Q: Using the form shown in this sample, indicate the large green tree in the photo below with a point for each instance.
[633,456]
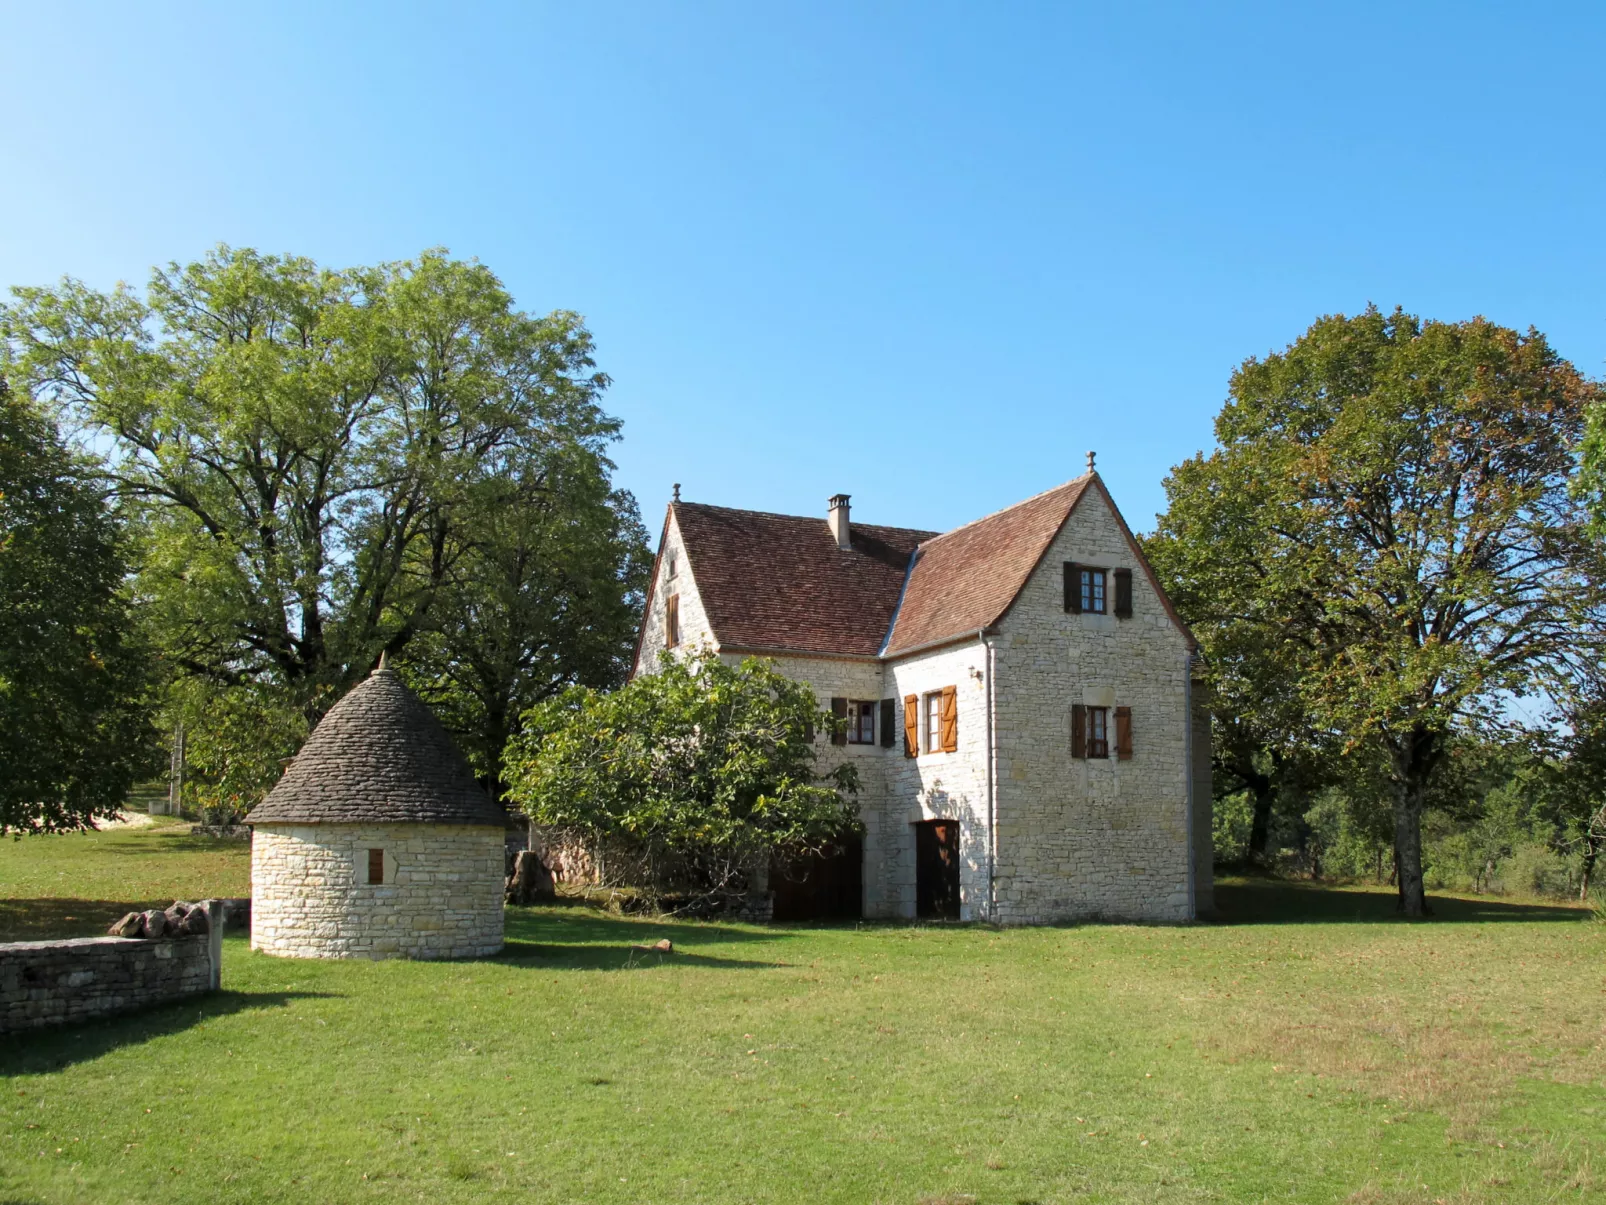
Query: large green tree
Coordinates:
[75,731]
[700,771]
[330,463]
[1389,511]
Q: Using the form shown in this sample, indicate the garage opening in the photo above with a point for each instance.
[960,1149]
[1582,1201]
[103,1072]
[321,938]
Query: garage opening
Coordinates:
[824,885]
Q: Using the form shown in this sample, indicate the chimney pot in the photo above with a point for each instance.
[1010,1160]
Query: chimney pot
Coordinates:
[839,521]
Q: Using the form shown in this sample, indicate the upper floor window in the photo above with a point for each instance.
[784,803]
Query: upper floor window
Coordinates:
[861,722]
[670,566]
[934,721]
[1098,731]
[1093,590]
[672,620]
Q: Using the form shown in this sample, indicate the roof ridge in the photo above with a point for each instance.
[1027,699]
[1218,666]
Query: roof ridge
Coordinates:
[775,514]
[1004,510]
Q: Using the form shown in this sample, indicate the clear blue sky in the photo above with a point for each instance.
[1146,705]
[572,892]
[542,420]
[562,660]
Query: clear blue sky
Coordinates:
[927,254]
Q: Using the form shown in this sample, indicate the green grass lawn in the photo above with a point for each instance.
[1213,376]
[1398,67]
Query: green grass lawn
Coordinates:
[1309,1048]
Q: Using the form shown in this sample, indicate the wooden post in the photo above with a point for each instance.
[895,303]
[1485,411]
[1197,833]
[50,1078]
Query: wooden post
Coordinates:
[214,939]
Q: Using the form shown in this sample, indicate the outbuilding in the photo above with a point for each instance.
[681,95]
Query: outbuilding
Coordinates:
[377,842]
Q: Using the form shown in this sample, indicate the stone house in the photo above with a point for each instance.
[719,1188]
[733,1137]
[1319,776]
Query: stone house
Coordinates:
[1018,693]
[377,842]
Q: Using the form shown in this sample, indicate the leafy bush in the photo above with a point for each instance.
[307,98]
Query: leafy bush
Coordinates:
[702,770]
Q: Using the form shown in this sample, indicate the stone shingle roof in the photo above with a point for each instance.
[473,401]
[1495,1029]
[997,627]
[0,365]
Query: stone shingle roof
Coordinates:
[780,581]
[380,755]
[965,579]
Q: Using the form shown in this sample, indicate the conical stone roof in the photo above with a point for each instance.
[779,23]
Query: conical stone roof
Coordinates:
[380,755]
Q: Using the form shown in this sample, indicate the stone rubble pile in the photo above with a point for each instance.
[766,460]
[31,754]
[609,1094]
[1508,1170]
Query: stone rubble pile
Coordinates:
[179,919]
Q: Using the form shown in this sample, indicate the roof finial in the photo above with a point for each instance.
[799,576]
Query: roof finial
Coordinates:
[1090,456]
[383,665]
[677,491]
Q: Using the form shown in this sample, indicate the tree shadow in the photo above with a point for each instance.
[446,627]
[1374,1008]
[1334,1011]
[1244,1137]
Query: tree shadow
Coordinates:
[1280,902]
[37,1051]
[573,938]
[51,919]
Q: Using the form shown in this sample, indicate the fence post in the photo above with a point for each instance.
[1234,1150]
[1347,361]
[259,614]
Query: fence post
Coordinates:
[214,940]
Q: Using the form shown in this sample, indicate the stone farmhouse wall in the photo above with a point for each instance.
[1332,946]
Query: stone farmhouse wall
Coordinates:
[441,896]
[56,982]
[1098,837]
[694,626]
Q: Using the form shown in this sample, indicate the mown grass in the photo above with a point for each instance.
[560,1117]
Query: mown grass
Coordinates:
[1310,1048]
[75,884]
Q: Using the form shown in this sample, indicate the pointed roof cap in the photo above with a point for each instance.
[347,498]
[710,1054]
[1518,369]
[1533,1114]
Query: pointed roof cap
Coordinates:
[380,755]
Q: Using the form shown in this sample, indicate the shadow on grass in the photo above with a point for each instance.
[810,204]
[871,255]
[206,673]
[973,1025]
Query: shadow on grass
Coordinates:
[36,1051]
[51,919]
[1278,902]
[553,937]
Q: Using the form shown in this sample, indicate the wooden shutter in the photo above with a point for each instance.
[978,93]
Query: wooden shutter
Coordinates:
[839,730]
[889,709]
[1123,733]
[948,719]
[1123,594]
[672,620]
[911,725]
[1073,588]
[1078,731]
[376,866]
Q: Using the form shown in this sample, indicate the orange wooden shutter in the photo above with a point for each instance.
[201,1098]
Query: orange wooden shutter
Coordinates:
[672,620]
[1078,730]
[1123,733]
[911,725]
[948,719]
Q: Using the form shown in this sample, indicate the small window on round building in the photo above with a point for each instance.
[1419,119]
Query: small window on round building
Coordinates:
[376,866]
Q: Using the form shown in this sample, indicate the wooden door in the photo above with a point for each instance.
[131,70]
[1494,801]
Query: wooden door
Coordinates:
[937,869]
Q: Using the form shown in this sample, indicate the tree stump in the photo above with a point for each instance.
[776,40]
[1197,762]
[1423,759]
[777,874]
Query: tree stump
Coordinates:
[531,882]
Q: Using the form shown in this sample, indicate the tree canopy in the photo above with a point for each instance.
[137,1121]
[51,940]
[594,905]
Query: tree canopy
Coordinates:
[325,464]
[1388,514]
[74,722]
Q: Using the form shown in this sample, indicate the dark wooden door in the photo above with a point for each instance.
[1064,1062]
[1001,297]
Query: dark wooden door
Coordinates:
[937,869]
[825,885]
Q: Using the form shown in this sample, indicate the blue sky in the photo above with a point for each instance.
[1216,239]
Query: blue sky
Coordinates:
[926,254]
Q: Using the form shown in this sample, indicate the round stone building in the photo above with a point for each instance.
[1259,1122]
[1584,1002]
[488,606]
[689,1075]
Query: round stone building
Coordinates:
[377,842]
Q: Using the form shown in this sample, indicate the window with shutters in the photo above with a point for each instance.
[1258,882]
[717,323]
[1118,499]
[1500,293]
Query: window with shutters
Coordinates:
[672,620]
[861,722]
[934,722]
[1093,591]
[1098,732]
[376,866]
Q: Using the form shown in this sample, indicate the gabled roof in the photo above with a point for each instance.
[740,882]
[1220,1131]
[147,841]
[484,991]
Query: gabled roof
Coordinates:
[779,582]
[964,580]
[380,755]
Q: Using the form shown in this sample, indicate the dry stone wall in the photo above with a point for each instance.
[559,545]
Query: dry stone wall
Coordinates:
[55,982]
[441,896]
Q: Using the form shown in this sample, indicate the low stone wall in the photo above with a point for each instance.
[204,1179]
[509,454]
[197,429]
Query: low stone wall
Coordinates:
[54,982]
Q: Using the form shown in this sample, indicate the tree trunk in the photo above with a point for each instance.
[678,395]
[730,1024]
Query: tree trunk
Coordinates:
[1591,852]
[1260,825]
[1408,851]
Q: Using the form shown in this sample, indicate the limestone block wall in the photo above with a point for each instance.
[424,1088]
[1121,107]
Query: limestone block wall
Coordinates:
[441,896]
[1097,837]
[694,626]
[937,786]
[54,982]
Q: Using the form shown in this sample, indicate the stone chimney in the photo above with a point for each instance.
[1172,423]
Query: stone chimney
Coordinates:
[839,521]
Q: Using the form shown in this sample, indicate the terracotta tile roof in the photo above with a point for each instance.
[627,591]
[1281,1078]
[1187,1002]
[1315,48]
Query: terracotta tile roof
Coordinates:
[379,755]
[966,579]
[780,582]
